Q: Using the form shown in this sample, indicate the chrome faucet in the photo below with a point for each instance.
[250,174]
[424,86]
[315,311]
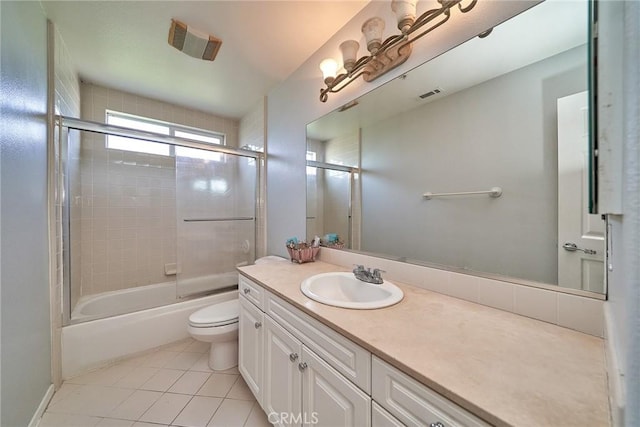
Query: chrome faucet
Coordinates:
[366,275]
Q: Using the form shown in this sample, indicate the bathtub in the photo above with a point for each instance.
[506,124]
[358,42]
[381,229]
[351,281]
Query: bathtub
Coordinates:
[96,343]
[113,303]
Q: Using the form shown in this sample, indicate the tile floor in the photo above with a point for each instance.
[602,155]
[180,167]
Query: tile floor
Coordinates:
[172,386]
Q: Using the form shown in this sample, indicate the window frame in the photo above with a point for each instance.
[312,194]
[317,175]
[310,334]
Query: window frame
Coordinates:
[172,129]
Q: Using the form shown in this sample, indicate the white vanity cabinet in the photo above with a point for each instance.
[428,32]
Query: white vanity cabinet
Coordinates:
[251,343]
[381,418]
[294,384]
[283,385]
[302,389]
[329,397]
[305,373]
[412,403]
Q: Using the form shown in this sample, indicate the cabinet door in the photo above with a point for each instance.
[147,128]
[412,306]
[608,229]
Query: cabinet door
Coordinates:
[250,335]
[328,398]
[282,396]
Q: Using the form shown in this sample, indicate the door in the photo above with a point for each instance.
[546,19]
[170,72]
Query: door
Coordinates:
[215,213]
[250,335]
[580,234]
[282,380]
[328,398]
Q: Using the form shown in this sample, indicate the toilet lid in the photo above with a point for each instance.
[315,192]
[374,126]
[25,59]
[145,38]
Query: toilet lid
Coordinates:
[216,315]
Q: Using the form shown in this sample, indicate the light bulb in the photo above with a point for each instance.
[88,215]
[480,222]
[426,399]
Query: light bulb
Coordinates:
[329,69]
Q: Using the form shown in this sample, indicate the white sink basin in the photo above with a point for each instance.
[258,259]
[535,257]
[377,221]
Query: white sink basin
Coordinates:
[342,289]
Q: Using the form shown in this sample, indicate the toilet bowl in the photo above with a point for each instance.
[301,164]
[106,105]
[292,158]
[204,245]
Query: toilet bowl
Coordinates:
[218,324]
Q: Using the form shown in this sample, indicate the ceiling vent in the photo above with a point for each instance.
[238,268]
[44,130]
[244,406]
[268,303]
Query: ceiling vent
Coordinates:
[192,42]
[348,105]
[431,93]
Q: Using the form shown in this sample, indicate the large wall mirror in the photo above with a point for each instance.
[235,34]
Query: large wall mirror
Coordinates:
[508,111]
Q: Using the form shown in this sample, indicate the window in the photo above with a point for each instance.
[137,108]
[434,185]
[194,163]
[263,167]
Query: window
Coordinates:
[163,128]
[129,144]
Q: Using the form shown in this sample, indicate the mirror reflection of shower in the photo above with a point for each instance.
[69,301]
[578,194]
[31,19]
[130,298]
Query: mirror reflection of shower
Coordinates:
[150,221]
[333,191]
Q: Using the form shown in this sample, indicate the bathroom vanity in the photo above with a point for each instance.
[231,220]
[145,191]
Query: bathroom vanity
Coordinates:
[428,360]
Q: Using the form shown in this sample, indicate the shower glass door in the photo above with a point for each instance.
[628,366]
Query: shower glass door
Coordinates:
[216,218]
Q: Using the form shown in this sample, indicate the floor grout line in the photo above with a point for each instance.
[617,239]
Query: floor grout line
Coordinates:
[76,384]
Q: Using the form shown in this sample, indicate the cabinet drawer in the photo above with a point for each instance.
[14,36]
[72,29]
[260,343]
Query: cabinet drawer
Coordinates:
[251,291]
[345,356]
[381,418]
[413,403]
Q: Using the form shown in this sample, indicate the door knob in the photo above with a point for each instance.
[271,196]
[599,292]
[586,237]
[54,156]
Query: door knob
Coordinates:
[246,290]
[572,247]
[438,424]
[257,325]
[293,357]
[302,366]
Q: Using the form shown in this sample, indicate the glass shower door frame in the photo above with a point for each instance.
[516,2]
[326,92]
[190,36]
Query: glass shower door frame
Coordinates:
[66,124]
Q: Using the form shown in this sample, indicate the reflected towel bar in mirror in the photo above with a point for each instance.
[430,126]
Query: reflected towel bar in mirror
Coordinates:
[239,218]
[494,192]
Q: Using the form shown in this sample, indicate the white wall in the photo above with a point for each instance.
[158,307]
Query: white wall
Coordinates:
[620,136]
[294,103]
[25,343]
[502,133]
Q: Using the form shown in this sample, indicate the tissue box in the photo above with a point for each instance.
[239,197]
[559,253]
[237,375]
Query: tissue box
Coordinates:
[303,255]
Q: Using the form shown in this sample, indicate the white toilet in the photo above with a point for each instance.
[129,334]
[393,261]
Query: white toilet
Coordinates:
[218,324]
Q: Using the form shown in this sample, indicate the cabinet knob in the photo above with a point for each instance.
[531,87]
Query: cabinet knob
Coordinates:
[438,424]
[246,290]
[258,325]
[293,357]
[302,366]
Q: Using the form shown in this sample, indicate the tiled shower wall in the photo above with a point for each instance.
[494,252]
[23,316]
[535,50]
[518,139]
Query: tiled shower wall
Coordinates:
[126,206]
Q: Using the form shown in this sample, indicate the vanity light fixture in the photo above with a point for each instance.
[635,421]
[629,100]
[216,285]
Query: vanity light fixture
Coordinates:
[390,53]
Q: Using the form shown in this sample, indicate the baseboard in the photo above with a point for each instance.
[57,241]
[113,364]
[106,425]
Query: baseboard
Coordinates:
[35,420]
[614,374]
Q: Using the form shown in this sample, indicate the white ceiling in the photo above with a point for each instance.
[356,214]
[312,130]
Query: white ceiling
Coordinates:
[123,45]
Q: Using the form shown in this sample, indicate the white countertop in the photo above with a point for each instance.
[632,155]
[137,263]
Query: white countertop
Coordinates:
[504,368]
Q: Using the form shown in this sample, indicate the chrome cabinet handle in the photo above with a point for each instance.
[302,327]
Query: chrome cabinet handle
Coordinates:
[438,424]
[258,325]
[246,290]
[572,247]
[293,357]
[302,366]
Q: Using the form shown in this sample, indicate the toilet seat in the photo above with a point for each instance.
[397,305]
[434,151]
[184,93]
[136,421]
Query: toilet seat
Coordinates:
[216,315]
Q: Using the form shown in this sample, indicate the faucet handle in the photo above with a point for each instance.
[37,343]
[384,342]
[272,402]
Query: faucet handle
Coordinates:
[358,267]
[377,273]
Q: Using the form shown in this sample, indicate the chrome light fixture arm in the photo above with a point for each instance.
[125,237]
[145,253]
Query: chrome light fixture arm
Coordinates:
[335,85]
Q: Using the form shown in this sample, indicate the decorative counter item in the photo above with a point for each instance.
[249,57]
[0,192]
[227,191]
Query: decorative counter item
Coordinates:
[332,240]
[301,252]
[336,245]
